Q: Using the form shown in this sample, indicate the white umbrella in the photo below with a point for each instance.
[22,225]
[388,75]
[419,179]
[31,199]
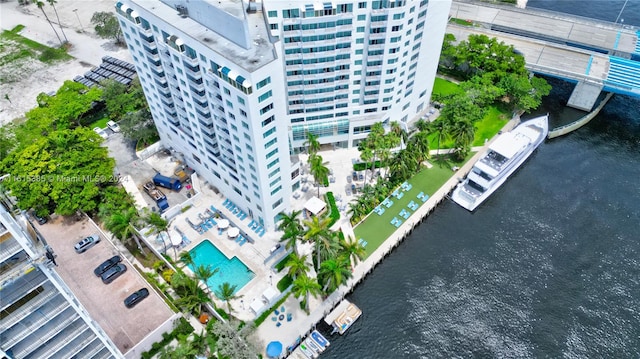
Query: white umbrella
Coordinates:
[233,232]
[223,223]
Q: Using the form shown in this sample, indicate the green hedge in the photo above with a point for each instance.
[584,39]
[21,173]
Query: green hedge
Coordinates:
[361,166]
[182,329]
[284,283]
[282,263]
[335,213]
[268,312]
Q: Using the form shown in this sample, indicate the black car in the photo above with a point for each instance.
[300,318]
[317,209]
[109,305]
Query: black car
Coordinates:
[106,265]
[41,220]
[112,273]
[136,297]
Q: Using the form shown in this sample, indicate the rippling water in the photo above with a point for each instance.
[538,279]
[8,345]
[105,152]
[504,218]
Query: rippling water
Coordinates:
[548,267]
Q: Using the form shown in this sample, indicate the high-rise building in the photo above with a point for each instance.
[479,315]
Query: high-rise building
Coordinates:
[235,86]
[40,317]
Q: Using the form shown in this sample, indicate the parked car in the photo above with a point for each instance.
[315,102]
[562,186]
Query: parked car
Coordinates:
[87,243]
[112,273]
[106,265]
[136,297]
[113,126]
[41,220]
[100,132]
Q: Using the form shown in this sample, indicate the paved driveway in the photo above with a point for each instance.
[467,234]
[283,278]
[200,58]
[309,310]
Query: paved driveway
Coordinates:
[126,327]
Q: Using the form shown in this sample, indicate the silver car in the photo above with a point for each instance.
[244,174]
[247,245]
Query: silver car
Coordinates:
[87,243]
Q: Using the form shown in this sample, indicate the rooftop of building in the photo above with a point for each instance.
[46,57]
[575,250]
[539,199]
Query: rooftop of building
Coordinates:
[260,51]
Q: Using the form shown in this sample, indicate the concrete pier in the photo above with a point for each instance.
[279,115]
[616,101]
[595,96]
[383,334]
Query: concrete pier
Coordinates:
[563,130]
[584,95]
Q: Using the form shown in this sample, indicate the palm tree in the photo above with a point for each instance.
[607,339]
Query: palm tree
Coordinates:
[297,265]
[186,258]
[303,286]
[53,4]
[420,146]
[319,170]
[290,224]
[317,232]
[123,225]
[225,293]
[204,273]
[366,155]
[358,209]
[192,302]
[40,6]
[399,132]
[462,131]
[313,145]
[439,127]
[353,250]
[160,225]
[334,272]
[376,141]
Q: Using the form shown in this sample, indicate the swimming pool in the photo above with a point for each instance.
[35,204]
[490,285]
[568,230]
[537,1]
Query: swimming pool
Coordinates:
[230,270]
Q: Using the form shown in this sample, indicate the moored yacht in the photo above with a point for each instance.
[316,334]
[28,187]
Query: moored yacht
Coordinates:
[502,158]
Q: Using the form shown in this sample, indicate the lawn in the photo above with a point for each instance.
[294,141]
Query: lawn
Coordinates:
[492,122]
[22,48]
[375,229]
[443,87]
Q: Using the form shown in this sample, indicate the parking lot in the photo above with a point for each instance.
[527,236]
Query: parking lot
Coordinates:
[126,327]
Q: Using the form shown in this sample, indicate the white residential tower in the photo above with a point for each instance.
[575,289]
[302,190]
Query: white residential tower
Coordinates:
[235,86]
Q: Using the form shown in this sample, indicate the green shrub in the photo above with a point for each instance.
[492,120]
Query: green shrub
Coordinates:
[50,55]
[183,328]
[361,166]
[335,213]
[284,283]
[282,263]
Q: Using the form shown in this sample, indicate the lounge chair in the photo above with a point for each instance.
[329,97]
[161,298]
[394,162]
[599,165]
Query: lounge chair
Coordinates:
[289,317]
[276,311]
[278,324]
[242,242]
[275,319]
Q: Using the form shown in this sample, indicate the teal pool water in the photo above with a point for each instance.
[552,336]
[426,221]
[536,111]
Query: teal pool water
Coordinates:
[229,270]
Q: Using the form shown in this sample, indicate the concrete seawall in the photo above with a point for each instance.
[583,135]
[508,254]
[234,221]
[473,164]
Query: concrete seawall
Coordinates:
[563,130]
[364,268]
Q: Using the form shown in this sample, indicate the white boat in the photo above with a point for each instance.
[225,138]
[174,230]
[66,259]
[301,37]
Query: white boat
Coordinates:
[343,316]
[503,157]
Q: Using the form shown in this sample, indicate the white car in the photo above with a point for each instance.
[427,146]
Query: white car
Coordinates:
[100,132]
[113,126]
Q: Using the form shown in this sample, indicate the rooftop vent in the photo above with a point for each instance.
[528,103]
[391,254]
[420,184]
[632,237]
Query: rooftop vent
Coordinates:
[253,7]
[182,11]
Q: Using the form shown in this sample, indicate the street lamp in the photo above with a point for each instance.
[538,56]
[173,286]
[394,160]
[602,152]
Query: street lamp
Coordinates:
[79,22]
[271,279]
[242,303]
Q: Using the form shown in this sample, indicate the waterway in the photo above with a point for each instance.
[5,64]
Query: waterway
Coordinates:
[548,267]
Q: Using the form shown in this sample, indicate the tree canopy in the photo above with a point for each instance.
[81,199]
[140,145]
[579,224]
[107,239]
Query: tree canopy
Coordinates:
[107,26]
[62,172]
[54,164]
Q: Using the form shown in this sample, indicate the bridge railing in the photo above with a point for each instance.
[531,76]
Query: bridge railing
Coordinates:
[551,13]
[564,73]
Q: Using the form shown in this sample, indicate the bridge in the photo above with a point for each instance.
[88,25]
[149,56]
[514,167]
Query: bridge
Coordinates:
[598,56]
